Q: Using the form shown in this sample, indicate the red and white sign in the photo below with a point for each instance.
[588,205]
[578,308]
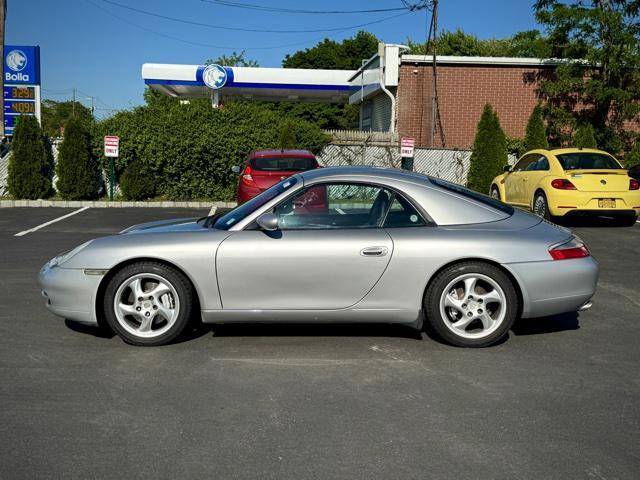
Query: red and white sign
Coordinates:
[111,146]
[407,146]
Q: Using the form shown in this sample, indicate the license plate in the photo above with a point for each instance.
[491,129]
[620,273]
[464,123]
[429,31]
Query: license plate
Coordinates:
[606,203]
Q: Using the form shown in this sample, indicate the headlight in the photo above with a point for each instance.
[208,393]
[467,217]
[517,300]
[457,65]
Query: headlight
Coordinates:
[63,257]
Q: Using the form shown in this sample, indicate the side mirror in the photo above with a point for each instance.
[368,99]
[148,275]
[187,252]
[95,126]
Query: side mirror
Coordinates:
[268,221]
[235,169]
[506,168]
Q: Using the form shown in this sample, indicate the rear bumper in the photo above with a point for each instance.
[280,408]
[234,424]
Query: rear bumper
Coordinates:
[554,287]
[566,202]
[69,293]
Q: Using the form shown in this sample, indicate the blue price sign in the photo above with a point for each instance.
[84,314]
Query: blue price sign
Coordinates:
[22,65]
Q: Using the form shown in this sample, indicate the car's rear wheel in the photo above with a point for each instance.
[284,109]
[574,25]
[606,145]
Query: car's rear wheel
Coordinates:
[495,192]
[471,304]
[148,303]
[540,206]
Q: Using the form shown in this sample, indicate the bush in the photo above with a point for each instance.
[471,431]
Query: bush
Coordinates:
[189,149]
[288,137]
[536,134]
[489,151]
[29,166]
[585,136]
[137,183]
[633,158]
[77,169]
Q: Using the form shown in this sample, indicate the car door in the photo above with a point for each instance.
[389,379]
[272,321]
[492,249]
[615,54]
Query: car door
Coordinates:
[325,255]
[532,175]
[513,181]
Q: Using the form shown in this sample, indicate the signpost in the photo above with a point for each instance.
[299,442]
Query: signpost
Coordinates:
[21,91]
[111,151]
[407,148]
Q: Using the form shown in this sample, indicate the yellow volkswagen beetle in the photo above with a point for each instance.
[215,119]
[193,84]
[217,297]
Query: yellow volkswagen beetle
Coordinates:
[569,181]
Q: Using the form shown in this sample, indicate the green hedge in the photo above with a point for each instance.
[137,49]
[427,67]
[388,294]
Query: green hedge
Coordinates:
[77,169]
[189,148]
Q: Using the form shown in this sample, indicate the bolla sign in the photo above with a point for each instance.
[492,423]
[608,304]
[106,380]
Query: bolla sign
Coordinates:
[22,65]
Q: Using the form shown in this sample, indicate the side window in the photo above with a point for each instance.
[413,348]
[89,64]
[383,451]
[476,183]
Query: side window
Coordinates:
[543,163]
[525,162]
[403,214]
[333,206]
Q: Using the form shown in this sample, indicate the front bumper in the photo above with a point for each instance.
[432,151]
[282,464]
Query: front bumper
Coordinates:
[571,202]
[554,287]
[70,293]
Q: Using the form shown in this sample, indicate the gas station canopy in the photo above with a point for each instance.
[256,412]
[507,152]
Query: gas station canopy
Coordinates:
[274,84]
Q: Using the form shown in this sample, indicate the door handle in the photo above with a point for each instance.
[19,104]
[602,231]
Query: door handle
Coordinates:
[525,179]
[374,251]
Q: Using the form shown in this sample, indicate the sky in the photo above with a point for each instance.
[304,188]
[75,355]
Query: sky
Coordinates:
[99,47]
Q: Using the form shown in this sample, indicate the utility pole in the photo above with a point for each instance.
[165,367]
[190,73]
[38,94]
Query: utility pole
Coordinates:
[434,67]
[3,15]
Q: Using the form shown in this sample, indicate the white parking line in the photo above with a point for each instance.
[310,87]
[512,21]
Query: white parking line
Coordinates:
[50,222]
[213,210]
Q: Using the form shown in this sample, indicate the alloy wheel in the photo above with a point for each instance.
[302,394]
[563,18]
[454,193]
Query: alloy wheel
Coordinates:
[473,306]
[146,305]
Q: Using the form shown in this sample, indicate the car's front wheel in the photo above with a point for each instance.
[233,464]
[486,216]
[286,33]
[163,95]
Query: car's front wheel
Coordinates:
[495,192]
[148,303]
[471,304]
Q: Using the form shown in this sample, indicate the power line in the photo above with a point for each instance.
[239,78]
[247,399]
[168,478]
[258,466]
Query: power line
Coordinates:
[198,44]
[264,8]
[254,30]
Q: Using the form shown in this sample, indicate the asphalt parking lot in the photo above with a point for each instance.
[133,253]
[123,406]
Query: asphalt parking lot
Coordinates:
[559,399]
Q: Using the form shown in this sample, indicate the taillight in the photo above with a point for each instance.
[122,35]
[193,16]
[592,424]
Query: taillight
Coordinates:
[574,248]
[562,184]
[634,184]
[247,179]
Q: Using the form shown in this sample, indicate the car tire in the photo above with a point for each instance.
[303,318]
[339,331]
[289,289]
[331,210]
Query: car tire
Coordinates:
[148,303]
[471,304]
[495,192]
[541,206]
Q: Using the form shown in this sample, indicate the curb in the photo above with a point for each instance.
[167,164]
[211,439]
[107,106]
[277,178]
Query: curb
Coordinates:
[107,204]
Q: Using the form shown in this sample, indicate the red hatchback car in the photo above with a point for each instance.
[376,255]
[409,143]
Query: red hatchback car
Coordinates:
[265,168]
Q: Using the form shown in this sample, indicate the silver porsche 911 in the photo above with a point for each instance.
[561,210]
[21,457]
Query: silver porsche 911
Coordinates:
[346,244]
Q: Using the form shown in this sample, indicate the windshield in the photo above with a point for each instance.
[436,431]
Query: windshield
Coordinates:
[277,164]
[478,197]
[229,219]
[587,161]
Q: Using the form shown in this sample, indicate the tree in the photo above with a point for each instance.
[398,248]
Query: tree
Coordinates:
[77,169]
[633,158]
[329,54]
[489,153]
[536,133]
[56,114]
[530,43]
[585,137]
[29,167]
[288,138]
[602,85]
[137,183]
[234,60]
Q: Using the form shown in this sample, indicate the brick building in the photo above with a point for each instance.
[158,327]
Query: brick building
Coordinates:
[465,85]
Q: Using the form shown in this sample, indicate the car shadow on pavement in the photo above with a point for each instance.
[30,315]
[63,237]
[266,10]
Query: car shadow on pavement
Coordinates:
[552,324]
[597,222]
[314,330]
[96,331]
